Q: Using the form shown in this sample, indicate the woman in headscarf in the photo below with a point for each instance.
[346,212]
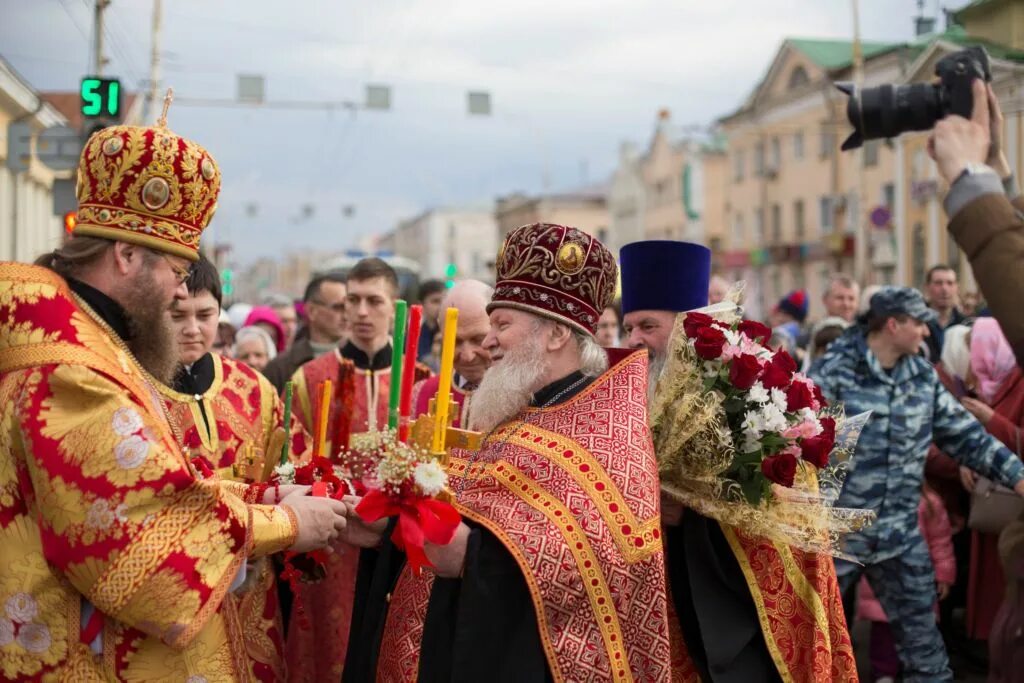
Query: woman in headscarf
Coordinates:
[998,384]
[254,347]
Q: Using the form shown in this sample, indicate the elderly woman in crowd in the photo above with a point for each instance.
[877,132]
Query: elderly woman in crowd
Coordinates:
[978,366]
[254,347]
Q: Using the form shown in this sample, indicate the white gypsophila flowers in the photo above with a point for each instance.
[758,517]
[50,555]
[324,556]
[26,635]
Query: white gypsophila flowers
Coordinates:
[285,473]
[430,477]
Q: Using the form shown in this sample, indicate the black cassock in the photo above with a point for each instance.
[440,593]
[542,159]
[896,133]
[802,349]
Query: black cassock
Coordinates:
[481,627]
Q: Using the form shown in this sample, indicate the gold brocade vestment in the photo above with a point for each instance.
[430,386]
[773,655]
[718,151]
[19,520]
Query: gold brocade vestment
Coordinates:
[230,426]
[100,512]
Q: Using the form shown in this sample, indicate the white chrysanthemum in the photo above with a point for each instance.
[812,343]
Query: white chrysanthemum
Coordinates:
[752,425]
[733,337]
[35,638]
[126,421]
[21,608]
[131,452]
[779,399]
[285,473]
[774,419]
[430,477]
[758,394]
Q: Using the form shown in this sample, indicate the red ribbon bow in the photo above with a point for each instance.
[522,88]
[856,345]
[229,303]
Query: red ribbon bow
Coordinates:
[419,519]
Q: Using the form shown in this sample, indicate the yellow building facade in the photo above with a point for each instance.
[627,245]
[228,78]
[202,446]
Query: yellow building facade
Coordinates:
[795,205]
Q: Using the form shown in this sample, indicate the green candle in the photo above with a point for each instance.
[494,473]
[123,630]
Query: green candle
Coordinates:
[397,349]
[287,422]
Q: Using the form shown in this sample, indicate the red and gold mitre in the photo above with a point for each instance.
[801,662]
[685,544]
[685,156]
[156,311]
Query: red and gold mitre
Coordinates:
[147,186]
[555,271]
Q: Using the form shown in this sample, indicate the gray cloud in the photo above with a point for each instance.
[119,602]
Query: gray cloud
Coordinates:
[569,79]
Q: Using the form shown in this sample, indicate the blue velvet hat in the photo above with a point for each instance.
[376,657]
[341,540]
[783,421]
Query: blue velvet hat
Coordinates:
[664,275]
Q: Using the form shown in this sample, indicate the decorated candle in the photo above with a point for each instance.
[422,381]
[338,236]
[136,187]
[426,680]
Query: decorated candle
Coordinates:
[412,343]
[287,422]
[397,351]
[444,379]
[323,410]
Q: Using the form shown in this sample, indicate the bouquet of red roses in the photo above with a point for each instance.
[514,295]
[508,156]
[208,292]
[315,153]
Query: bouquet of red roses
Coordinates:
[410,484]
[743,438]
[772,411]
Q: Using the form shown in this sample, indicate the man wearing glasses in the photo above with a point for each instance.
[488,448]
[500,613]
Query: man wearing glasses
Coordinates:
[117,558]
[324,331]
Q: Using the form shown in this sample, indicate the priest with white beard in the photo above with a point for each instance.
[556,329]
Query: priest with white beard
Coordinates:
[556,572]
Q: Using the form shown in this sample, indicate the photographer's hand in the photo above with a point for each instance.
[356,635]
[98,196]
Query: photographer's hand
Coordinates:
[996,156]
[957,142]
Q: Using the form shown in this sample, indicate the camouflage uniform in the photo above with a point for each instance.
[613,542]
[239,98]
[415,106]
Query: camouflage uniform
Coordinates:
[911,409]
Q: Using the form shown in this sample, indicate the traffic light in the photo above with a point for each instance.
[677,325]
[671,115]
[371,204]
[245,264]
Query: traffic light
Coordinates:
[101,104]
[70,221]
[227,284]
[450,271]
[101,97]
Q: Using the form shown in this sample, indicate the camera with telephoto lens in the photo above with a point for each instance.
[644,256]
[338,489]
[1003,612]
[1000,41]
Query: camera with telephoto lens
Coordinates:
[888,110]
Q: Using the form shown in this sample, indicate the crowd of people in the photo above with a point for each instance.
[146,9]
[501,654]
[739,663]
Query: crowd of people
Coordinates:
[143,539]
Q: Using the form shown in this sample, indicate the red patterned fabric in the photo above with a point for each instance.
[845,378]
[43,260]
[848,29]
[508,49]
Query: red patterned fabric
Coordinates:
[800,608]
[572,492]
[555,271]
[147,186]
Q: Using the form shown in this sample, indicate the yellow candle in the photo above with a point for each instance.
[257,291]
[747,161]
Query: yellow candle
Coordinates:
[444,384]
[325,407]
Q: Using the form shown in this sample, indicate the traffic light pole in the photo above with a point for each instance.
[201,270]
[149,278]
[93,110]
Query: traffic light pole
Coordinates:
[97,29]
[154,61]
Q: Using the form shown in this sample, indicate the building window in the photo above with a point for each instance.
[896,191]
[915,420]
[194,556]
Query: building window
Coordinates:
[798,145]
[776,156]
[853,213]
[759,226]
[738,236]
[602,235]
[797,77]
[825,217]
[738,163]
[776,224]
[776,279]
[828,144]
[871,153]
[759,159]
[798,220]
[889,195]
[799,279]
[917,250]
[715,245]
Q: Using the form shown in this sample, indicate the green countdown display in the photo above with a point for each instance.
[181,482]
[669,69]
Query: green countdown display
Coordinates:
[101,97]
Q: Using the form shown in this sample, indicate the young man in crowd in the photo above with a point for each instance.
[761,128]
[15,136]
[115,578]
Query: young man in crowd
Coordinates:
[360,373]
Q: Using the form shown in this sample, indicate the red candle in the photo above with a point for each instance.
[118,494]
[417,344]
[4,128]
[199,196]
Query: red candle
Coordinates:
[412,343]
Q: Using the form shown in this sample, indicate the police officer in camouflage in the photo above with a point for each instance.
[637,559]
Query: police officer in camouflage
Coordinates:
[876,366]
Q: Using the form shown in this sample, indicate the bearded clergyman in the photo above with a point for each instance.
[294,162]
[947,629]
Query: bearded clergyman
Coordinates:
[556,572]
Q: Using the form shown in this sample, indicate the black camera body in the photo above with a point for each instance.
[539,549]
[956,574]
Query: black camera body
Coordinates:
[889,110]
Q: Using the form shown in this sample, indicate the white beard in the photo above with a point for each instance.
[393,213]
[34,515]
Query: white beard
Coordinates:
[655,366]
[508,386]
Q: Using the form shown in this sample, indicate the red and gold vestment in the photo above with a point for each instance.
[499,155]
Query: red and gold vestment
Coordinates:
[242,411]
[571,491]
[102,514]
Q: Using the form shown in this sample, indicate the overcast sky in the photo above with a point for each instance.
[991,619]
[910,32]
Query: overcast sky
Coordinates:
[570,79]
